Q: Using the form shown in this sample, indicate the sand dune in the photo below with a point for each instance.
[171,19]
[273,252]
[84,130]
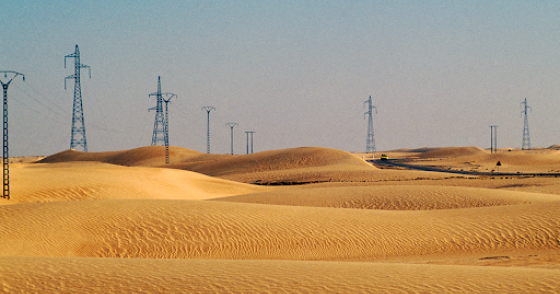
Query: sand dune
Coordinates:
[144,156]
[451,152]
[94,180]
[96,275]
[295,165]
[391,197]
[522,161]
[123,221]
[222,230]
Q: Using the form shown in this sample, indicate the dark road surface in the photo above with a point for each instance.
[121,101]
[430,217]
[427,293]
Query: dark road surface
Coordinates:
[402,163]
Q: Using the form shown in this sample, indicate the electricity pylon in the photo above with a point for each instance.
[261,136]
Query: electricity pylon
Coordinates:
[78,137]
[5,150]
[166,99]
[231,125]
[370,144]
[158,135]
[250,133]
[493,139]
[526,140]
[208,109]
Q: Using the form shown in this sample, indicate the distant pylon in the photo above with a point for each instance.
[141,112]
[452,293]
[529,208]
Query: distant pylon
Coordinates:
[208,109]
[5,151]
[158,136]
[78,137]
[231,125]
[370,144]
[250,150]
[166,98]
[493,139]
[526,140]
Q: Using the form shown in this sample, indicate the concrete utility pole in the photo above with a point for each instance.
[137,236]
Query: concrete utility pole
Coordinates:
[231,125]
[208,109]
[250,133]
[166,99]
[5,150]
[493,139]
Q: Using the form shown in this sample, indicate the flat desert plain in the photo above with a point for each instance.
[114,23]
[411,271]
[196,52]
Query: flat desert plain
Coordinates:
[303,220]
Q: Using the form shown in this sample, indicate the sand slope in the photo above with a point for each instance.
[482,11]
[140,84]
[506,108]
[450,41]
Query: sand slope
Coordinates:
[143,156]
[197,229]
[391,197]
[96,275]
[294,165]
[95,180]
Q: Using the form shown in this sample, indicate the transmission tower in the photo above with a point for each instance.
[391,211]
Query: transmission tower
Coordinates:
[526,140]
[208,109]
[370,144]
[78,137]
[231,125]
[251,135]
[158,136]
[166,97]
[493,139]
[5,151]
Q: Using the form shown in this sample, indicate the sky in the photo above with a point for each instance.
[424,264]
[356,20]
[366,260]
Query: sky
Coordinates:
[297,73]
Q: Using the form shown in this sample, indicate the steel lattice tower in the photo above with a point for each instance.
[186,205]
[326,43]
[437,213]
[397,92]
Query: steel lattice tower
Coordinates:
[370,144]
[208,109]
[5,150]
[526,140]
[78,137]
[158,136]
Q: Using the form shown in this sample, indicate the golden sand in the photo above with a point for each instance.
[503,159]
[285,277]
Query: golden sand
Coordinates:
[124,222]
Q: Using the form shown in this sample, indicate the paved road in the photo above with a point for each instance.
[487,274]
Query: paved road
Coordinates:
[403,163]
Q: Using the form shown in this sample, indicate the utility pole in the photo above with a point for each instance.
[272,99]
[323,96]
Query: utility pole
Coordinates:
[5,150]
[493,139]
[158,136]
[526,140]
[78,137]
[231,125]
[166,99]
[208,109]
[250,133]
[370,144]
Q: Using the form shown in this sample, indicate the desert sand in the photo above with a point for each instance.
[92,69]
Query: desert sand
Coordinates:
[302,220]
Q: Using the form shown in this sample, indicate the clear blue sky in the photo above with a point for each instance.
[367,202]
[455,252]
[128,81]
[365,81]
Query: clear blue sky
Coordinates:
[295,72]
